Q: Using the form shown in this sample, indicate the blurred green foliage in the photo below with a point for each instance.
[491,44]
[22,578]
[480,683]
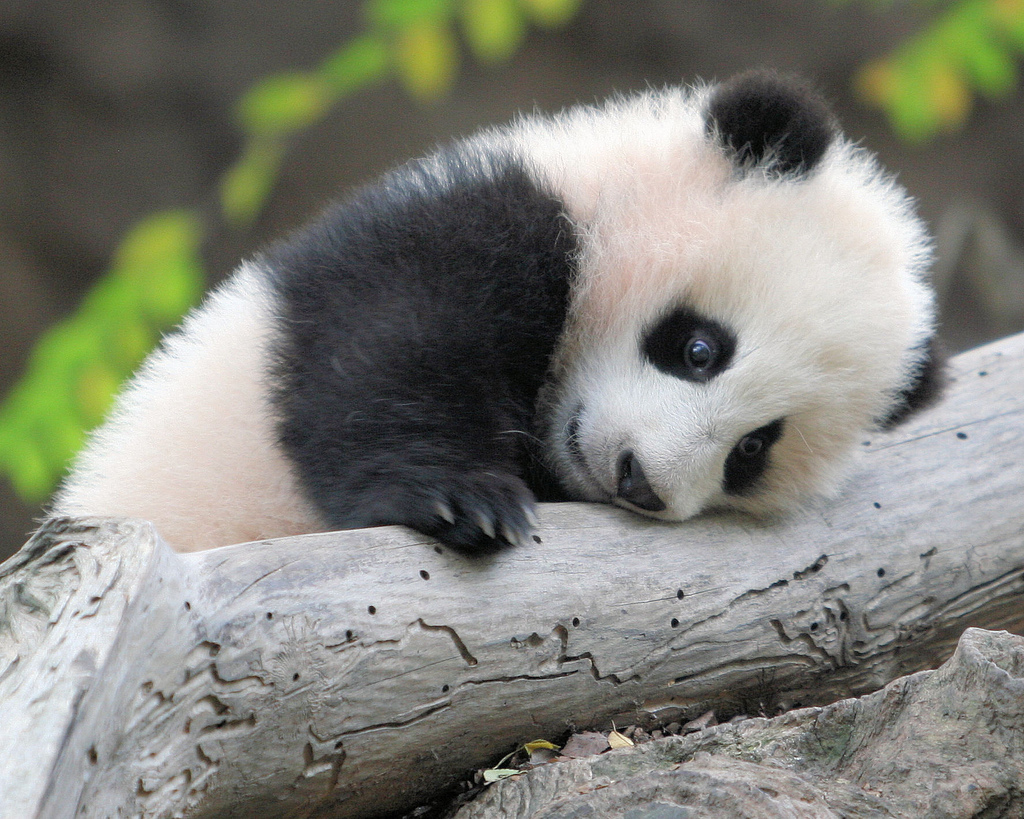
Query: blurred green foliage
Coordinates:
[416,42]
[926,86]
[157,274]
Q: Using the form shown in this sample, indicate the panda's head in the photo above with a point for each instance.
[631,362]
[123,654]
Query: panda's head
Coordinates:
[750,299]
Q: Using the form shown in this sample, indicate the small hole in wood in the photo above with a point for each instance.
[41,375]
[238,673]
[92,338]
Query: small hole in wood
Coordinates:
[881,572]
[295,677]
[575,622]
[536,539]
[674,623]
[983,373]
[814,626]
[188,606]
[877,505]
[350,635]
[270,615]
[93,756]
[962,436]
[424,574]
[679,594]
[371,609]
[445,689]
[842,616]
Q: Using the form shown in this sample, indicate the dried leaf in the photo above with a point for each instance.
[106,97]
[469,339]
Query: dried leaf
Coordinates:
[617,740]
[537,744]
[497,774]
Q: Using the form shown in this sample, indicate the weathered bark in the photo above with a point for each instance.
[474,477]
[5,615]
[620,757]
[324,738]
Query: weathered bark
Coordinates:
[946,744]
[353,673]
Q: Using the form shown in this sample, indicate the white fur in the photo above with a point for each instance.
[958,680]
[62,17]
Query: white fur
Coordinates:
[205,469]
[822,279]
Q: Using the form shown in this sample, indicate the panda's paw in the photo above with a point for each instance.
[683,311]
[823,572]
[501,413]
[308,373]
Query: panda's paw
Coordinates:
[481,511]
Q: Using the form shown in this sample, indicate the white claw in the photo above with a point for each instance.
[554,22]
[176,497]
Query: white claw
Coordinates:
[512,537]
[485,523]
[531,518]
[444,511]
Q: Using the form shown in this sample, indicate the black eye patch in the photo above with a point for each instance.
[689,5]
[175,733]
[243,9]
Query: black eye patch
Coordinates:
[749,458]
[690,346]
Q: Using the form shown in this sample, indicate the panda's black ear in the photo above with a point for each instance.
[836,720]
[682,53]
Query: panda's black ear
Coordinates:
[761,115]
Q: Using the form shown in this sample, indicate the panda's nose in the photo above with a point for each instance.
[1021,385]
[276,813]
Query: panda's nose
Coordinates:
[633,486]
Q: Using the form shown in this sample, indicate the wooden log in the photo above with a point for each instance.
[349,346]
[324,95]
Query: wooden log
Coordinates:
[946,744]
[355,673]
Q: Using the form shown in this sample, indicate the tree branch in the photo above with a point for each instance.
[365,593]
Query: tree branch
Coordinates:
[354,673]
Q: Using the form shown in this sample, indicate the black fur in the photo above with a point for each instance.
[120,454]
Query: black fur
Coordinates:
[666,345]
[744,467]
[925,389]
[418,323]
[761,115]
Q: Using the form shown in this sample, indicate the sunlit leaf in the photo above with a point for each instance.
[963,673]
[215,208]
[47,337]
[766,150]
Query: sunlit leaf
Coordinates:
[95,385]
[247,184]
[494,28]
[362,62]
[1008,18]
[405,13]
[551,13]
[876,82]
[948,96]
[27,470]
[539,744]
[79,363]
[283,103]
[426,56]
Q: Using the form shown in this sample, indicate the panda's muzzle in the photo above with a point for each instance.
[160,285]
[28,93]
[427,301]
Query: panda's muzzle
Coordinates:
[632,485]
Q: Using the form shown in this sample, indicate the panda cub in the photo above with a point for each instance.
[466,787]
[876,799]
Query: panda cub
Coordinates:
[682,300]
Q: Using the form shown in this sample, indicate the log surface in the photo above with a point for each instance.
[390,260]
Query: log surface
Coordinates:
[354,673]
[946,744]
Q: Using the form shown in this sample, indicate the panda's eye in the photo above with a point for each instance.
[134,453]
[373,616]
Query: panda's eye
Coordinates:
[688,345]
[749,459]
[699,353]
[749,446]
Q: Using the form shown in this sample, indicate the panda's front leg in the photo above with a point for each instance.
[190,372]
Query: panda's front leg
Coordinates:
[435,449]
[473,511]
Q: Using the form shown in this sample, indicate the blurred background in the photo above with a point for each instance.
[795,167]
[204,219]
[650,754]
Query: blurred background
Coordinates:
[147,145]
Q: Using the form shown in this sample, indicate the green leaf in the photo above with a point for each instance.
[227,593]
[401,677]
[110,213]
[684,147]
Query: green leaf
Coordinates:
[427,59]
[247,184]
[283,103]
[965,40]
[551,13]
[494,28]
[78,364]
[1007,18]
[359,64]
[400,14]
[990,67]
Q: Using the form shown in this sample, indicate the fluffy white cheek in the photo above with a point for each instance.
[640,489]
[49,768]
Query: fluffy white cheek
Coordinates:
[668,426]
